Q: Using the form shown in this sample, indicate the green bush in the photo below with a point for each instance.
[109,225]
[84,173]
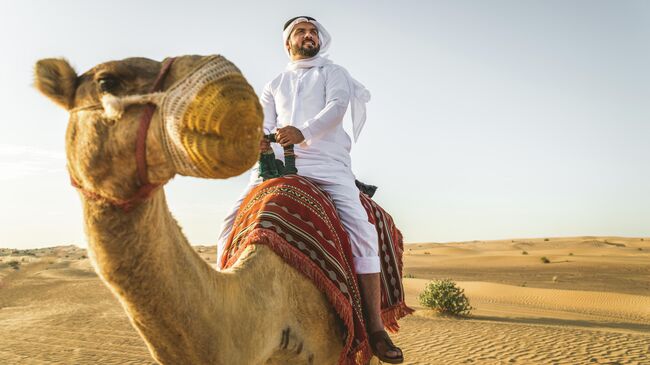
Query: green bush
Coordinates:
[14,264]
[445,297]
[524,253]
[545,259]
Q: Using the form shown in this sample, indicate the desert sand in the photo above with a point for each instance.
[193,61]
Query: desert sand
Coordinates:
[590,304]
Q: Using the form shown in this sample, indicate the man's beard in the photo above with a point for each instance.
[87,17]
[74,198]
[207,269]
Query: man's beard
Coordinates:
[305,52]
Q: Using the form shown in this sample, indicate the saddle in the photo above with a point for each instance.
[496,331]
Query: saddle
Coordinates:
[299,222]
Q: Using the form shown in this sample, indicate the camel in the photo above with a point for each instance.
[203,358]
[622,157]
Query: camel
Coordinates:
[262,311]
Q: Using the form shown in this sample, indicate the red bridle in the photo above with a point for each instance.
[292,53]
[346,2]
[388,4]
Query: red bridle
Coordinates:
[146,188]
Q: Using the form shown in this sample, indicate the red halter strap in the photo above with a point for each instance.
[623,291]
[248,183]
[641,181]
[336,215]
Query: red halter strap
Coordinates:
[146,188]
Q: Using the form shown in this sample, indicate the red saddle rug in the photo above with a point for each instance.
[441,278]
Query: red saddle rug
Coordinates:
[299,222]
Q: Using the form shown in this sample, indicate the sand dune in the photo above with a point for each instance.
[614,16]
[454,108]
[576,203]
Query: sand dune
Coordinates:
[530,326]
[59,312]
[589,305]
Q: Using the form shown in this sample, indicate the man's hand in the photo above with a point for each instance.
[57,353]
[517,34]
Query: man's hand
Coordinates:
[289,135]
[265,145]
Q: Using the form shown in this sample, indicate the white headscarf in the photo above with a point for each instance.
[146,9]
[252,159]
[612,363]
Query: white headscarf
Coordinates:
[359,95]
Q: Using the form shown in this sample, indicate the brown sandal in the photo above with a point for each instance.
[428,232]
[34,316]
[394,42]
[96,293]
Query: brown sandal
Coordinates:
[381,336]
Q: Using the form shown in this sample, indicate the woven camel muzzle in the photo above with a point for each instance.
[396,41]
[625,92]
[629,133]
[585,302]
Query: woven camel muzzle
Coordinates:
[211,119]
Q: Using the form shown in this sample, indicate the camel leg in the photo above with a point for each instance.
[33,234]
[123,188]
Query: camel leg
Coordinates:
[371,301]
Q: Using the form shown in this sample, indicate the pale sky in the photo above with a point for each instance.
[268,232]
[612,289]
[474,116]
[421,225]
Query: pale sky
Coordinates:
[488,119]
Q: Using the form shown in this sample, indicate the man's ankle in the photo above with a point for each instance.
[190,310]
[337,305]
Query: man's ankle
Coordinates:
[374,327]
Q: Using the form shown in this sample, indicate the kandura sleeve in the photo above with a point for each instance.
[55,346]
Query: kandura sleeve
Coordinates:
[268,108]
[337,95]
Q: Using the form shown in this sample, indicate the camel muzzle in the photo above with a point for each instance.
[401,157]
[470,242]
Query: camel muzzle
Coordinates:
[212,121]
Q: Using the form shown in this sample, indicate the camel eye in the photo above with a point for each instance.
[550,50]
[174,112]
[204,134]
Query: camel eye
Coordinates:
[108,84]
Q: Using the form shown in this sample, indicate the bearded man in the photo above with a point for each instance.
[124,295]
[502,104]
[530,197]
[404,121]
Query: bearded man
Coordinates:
[305,105]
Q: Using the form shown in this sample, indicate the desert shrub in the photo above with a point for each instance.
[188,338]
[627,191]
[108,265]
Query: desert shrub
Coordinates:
[14,264]
[640,249]
[445,297]
[545,259]
[409,276]
[545,239]
[524,252]
[570,253]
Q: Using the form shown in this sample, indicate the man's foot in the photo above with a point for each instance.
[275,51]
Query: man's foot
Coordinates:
[384,349]
[380,343]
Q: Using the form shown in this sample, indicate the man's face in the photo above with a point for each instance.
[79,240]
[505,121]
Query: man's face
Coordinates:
[303,41]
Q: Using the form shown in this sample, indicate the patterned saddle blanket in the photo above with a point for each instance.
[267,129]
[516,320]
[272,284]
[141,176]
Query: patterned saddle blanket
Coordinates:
[299,222]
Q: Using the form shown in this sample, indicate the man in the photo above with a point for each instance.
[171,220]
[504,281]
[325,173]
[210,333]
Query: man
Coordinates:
[305,106]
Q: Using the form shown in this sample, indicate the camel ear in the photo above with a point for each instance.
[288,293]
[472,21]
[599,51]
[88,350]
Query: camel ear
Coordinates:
[57,80]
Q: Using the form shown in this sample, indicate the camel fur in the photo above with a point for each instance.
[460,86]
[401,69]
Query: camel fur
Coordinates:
[261,311]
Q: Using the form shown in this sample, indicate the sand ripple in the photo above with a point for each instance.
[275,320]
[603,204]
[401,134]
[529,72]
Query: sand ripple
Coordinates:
[430,340]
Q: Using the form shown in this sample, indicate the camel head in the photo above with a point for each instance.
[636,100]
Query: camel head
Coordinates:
[207,122]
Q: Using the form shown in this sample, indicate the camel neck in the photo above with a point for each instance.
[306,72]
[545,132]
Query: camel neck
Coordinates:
[123,237]
[143,255]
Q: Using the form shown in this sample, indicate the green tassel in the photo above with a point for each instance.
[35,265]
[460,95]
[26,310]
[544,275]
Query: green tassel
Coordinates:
[270,167]
[290,161]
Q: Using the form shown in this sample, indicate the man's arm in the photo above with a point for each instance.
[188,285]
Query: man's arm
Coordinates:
[268,107]
[270,115]
[337,94]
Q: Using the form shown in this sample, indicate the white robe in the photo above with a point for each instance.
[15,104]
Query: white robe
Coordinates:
[315,100]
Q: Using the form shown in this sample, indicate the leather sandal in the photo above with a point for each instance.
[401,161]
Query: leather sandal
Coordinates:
[382,337]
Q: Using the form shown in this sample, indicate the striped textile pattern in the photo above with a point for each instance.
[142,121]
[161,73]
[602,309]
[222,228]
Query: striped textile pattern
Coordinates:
[299,222]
